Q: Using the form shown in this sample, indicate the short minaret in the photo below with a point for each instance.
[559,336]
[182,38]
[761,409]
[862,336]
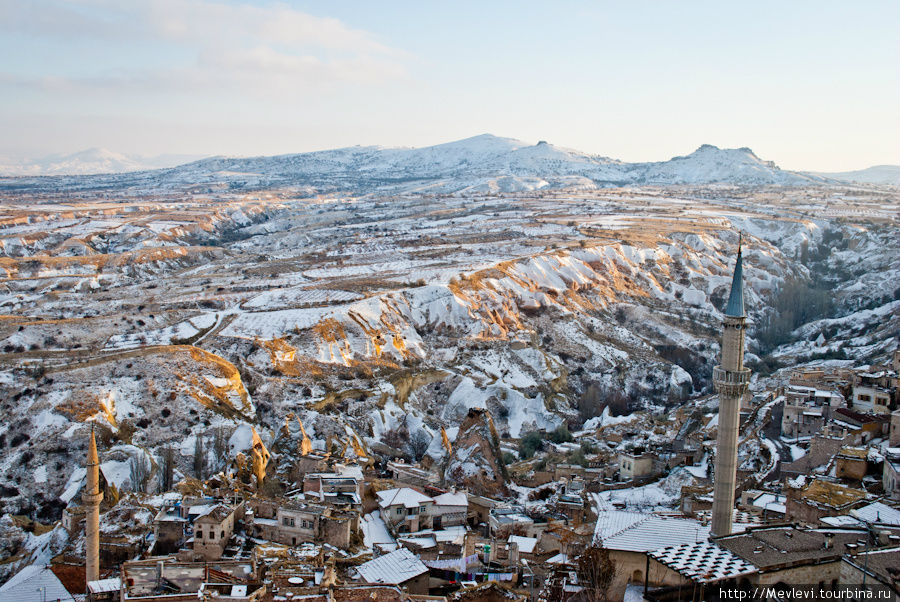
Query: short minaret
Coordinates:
[91,499]
[731,380]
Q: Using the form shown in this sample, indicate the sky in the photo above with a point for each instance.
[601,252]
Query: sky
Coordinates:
[809,85]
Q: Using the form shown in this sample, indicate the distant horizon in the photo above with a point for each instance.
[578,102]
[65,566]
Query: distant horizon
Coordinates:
[178,158]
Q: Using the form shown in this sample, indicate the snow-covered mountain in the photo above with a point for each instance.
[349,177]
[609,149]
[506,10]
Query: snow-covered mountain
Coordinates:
[86,162]
[878,174]
[484,163]
[711,164]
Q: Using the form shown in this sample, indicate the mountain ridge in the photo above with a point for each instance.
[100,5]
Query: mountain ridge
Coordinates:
[482,164]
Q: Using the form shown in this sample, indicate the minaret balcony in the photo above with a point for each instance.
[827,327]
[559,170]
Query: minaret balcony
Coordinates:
[731,382]
[92,498]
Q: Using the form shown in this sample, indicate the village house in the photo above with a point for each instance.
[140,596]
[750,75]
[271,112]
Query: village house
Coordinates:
[337,489]
[634,465]
[874,567]
[504,522]
[449,509]
[806,409]
[857,428]
[213,529]
[164,579]
[871,392]
[761,556]
[293,522]
[821,451]
[770,507]
[630,535]
[851,463]
[410,475]
[169,530]
[809,503]
[405,510]
[891,476]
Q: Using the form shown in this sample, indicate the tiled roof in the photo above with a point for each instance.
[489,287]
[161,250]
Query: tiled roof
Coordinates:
[636,532]
[26,583]
[878,513]
[703,562]
[399,566]
[404,496]
[776,546]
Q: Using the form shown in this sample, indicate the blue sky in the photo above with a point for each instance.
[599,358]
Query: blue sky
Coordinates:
[810,85]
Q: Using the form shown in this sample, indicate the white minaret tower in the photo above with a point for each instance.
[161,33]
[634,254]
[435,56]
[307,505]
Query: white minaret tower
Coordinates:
[91,498]
[731,380]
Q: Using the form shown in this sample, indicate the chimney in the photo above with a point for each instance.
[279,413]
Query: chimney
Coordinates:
[852,549]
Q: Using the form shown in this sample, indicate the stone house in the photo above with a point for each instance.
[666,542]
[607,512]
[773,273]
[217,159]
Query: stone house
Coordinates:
[891,476]
[504,522]
[873,567]
[405,510]
[894,429]
[293,523]
[762,556]
[632,466]
[806,409]
[861,427]
[821,451]
[213,529]
[168,530]
[449,509]
[629,536]
[338,489]
[819,499]
[851,463]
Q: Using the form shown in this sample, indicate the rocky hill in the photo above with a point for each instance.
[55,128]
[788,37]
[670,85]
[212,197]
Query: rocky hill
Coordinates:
[480,164]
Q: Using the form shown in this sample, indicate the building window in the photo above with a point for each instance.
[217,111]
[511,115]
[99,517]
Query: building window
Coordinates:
[307,524]
[288,521]
[399,511]
[199,534]
[222,535]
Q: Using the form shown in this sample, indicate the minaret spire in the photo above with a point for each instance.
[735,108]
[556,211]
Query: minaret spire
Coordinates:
[91,498]
[731,380]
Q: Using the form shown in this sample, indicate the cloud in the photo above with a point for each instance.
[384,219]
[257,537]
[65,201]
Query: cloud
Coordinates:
[203,45]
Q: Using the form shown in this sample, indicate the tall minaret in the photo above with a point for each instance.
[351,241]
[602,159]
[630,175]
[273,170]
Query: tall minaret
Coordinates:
[91,499]
[731,379]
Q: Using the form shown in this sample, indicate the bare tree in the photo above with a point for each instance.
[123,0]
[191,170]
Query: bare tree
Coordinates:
[139,467]
[596,571]
[168,467]
[199,458]
[219,446]
[418,444]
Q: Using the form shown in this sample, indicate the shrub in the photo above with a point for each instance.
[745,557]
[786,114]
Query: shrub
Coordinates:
[529,444]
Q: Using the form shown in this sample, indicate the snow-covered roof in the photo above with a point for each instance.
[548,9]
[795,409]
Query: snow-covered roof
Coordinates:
[637,532]
[840,521]
[404,496]
[104,585]
[703,562]
[526,544]
[452,499]
[558,559]
[878,513]
[394,568]
[25,584]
